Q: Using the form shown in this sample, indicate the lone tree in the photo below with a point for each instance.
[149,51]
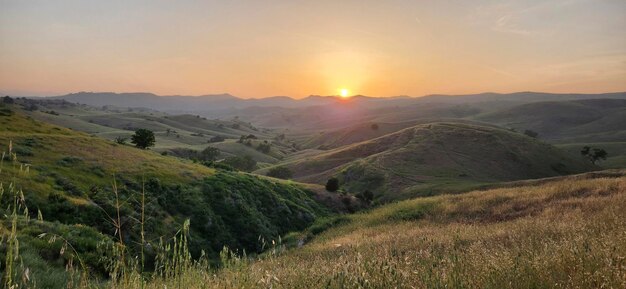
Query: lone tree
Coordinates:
[280,173]
[374,126]
[593,154]
[332,185]
[143,138]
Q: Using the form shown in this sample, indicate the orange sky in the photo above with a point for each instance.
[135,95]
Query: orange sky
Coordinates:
[297,48]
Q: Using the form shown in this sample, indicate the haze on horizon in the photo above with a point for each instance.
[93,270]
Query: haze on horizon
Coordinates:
[297,48]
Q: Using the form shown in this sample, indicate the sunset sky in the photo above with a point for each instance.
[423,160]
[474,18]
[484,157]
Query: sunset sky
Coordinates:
[298,48]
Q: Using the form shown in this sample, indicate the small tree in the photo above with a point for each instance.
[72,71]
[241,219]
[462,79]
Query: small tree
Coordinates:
[593,155]
[209,154]
[143,138]
[374,126]
[280,172]
[531,133]
[332,185]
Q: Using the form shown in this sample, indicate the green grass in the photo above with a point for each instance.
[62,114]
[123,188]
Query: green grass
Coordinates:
[616,152]
[70,181]
[437,157]
[559,233]
[171,131]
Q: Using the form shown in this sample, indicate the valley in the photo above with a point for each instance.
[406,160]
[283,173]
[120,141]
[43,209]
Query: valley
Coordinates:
[246,188]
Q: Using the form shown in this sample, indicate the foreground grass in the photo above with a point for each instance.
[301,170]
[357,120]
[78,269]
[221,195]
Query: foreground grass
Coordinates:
[563,234]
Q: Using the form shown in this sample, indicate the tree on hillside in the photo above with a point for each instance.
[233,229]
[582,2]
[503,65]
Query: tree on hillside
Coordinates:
[531,133]
[280,172]
[332,185]
[374,126]
[7,99]
[209,154]
[143,138]
[594,154]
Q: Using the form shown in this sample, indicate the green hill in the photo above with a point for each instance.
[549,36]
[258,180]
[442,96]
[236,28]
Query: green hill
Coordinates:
[563,233]
[69,178]
[434,157]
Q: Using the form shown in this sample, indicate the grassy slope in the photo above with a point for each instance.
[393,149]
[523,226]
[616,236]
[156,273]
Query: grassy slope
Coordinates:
[563,233]
[429,158]
[70,180]
[185,131]
[598,120]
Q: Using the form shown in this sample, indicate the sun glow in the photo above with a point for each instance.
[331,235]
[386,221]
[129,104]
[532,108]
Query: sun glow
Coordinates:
[344,92]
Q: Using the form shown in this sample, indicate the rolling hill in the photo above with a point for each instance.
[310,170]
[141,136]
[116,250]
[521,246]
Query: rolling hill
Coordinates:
[69,178]
[433,157]
[172,131]
[561,233]
[589,120]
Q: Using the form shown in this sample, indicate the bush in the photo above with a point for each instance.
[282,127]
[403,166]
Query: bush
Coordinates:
[209,154]
[366,196]
[332,185]
[69,161]
[245,163]
[264,147]
[217,138]
[280,172]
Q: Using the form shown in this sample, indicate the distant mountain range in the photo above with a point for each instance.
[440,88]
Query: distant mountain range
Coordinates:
[220,102]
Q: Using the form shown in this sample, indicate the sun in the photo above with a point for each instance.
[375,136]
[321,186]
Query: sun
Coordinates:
[344,92]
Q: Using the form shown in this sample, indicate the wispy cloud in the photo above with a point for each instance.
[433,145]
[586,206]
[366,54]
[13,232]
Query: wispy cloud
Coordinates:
[521,17]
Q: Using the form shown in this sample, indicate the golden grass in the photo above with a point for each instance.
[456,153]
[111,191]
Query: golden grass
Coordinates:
[564,234]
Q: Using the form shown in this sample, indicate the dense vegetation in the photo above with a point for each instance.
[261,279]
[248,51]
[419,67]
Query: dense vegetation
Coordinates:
[71,178]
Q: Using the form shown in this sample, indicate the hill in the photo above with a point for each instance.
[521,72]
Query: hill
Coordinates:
[70,178]
[590,120]
[433,157]
[555,233]
[172,131]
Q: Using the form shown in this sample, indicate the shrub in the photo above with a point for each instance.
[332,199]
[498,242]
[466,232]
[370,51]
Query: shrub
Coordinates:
[8,100]
[332,185]
[209,154]
[245,163]
[366,196]
[217,138]
[264,147]
[69,161]
[280,172]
